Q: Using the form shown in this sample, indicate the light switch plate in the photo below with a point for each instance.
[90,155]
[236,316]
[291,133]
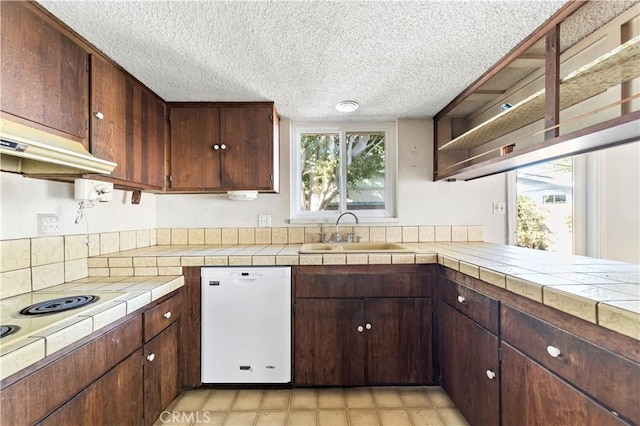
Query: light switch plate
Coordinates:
[499,208]
[264,220]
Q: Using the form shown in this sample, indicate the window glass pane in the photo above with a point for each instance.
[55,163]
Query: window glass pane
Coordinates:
[545,206]
[365,170]
[320,166]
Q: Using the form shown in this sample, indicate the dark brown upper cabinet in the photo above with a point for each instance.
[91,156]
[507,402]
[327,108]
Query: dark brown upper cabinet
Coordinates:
[569,88]
[108,115]
[55,81]
[127,126]
[224,146]
[44,79]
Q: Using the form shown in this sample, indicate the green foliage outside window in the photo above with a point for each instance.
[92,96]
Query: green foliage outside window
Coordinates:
[531,232]
[320,158]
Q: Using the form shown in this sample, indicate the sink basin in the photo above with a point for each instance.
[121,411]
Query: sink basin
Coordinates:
[355,248]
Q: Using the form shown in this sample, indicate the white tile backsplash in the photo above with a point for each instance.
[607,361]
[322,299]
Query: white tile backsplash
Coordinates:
[31,264]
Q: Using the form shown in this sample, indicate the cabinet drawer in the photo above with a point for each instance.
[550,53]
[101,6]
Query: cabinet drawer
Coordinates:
[480,308]
[360,282]
[161,316]
[605,376]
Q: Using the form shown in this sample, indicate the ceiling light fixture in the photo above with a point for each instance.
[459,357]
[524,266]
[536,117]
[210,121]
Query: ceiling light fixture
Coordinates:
[347,106]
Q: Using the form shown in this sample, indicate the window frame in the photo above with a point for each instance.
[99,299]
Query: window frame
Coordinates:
[391,170]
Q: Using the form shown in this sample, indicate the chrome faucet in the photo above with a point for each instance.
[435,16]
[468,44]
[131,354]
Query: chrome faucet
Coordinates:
[336,236]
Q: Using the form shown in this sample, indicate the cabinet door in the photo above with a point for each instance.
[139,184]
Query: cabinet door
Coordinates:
[398,333]
[145,136]
[328,348]
[467,352]
[195,165]
[114,399]
[127,126]
[161,377]
[532,395]
[44,77]
[109,115]
[247,159]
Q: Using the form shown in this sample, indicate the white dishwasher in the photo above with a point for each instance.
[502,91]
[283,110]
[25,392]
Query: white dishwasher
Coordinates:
[246,325]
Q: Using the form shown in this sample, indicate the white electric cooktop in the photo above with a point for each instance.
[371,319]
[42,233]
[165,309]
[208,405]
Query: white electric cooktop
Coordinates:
[16,324]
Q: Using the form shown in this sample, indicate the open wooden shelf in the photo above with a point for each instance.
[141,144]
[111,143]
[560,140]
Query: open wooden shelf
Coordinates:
[615,67]
[613,132]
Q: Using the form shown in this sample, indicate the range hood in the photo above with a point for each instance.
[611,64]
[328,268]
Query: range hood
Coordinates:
[31,151]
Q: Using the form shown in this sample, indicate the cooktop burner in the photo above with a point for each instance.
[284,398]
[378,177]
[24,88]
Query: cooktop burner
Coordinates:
[61,304]
[7,330]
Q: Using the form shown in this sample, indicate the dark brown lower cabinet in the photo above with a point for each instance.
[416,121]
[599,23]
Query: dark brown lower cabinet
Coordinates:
[125,375]
[532,395]
[398,333]
[356,342]
[553,368]
[161,378]
[468,355]
[328,348]
[113,399]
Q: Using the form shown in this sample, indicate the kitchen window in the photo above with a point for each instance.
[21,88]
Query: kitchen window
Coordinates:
[340,167]
[554,199]
[545,209]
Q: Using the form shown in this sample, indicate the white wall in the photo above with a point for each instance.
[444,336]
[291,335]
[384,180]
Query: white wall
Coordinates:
[618,215]
[420,201]
[21,199]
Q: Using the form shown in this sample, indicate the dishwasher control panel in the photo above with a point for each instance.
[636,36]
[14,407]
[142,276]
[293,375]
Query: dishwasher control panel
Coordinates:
[247,274]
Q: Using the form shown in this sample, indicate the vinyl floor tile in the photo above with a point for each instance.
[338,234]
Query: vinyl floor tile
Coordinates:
[365,406]
[272,418]
[394,417]
[302,418]
[363,418]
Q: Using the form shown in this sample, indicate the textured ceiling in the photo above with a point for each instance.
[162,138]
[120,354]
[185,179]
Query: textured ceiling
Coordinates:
[396,58]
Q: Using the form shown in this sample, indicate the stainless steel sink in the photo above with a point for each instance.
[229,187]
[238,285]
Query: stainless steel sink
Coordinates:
[355,248]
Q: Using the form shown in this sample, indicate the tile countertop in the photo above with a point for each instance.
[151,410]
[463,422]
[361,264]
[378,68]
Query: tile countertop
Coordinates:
[125,295]
[600,291]
[603,292]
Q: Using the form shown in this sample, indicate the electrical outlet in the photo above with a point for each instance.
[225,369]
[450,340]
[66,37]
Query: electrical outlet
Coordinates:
[48,224]
[499,208]
[264,220]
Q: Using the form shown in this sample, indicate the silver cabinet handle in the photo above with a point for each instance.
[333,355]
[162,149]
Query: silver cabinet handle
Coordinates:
[491,375]
[98,115]
[553,351]
[461,299]
[223,146]
[216,147]
[360,329]
[167,315]
[151,357]
[368,326]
